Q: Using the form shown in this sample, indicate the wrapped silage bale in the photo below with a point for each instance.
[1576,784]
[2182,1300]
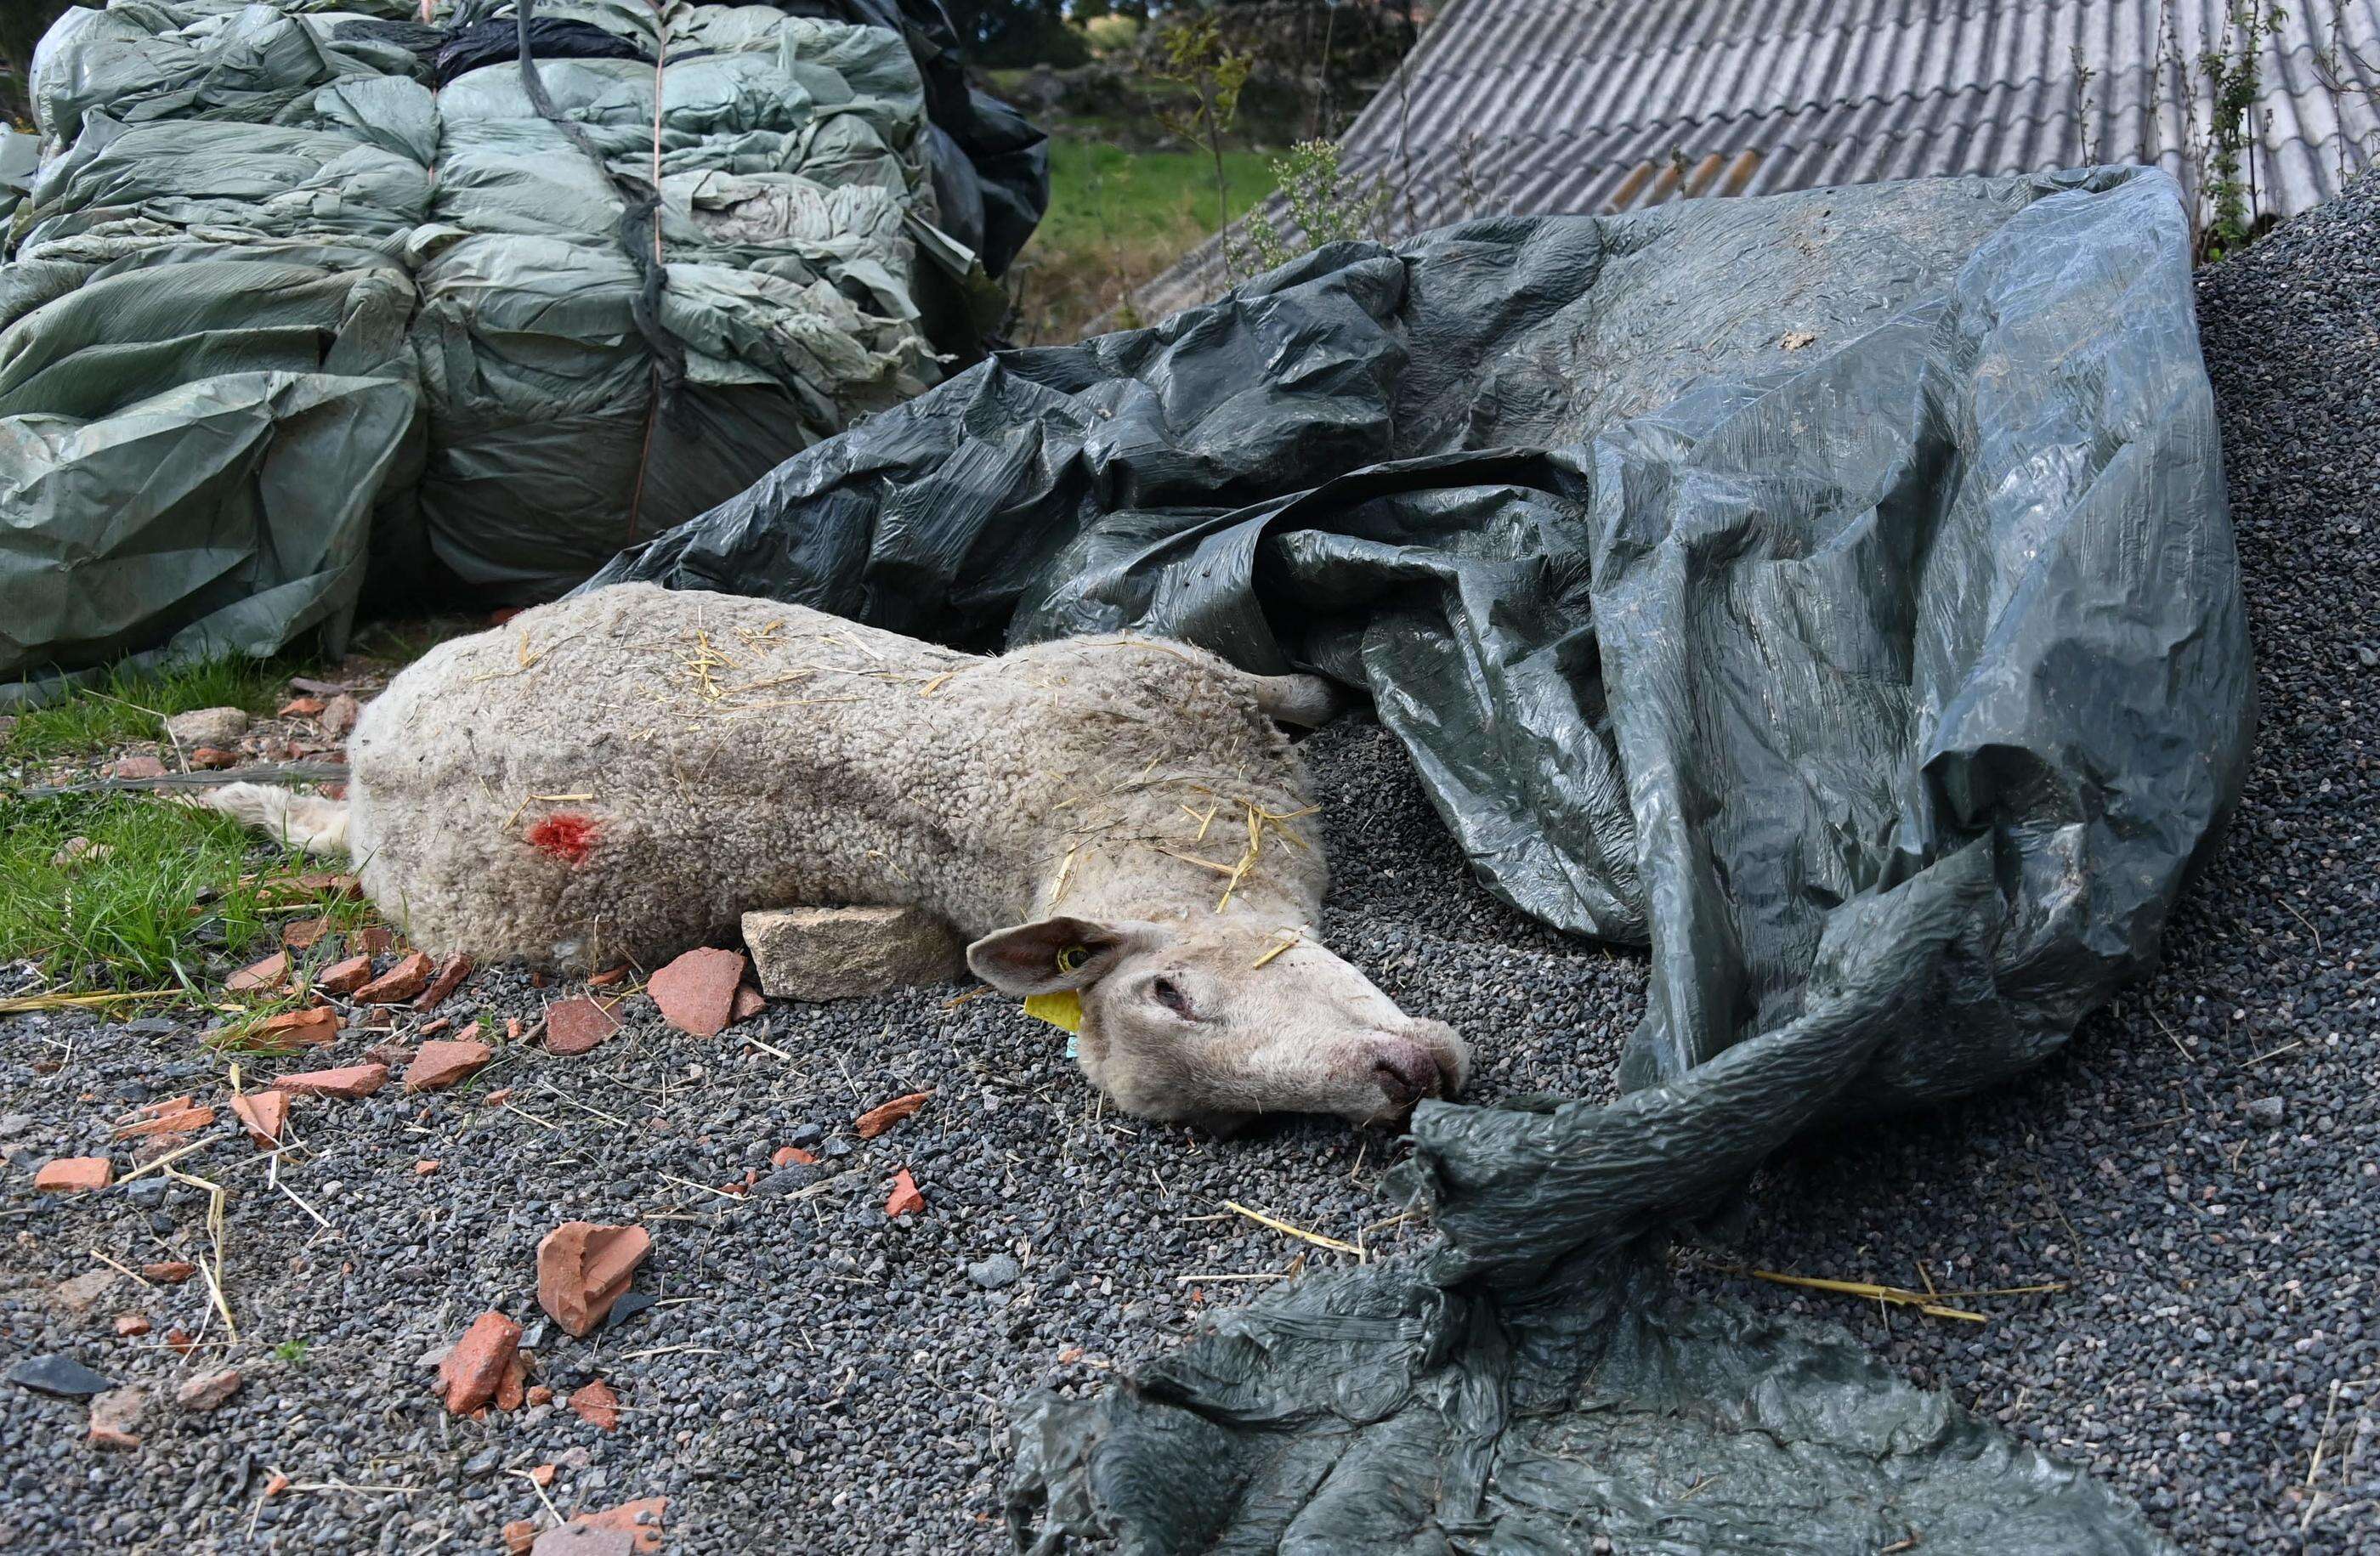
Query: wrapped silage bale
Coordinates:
[554,325]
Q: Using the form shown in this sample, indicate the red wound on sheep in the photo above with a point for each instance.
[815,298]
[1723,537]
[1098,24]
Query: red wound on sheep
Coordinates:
[567,834]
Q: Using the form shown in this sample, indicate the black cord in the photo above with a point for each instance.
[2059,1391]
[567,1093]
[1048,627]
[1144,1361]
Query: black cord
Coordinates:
[640,210]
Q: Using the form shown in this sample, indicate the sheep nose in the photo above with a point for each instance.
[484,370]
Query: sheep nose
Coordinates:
[1406,1070]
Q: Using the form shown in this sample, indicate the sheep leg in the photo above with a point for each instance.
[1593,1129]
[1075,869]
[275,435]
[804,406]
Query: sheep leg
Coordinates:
[303,821]
[1308,701]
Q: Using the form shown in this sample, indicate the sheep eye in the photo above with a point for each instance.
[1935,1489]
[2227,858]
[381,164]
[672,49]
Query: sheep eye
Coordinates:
[1169,995]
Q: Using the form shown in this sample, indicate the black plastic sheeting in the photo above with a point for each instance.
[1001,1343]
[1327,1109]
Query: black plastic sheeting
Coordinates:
[1834,592]
[466,49]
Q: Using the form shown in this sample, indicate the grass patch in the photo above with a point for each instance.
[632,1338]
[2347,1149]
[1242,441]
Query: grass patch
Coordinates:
[1116,219]
[126,708]
[1099,192]
[156,900]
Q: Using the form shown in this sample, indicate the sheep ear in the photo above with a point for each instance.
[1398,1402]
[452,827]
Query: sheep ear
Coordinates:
[1048,954]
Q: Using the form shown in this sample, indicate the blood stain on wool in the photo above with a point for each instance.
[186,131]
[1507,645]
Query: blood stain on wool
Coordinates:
[567,834]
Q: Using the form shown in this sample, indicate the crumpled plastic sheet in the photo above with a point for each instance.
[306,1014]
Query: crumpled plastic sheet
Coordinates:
[572,389]
[1832,592]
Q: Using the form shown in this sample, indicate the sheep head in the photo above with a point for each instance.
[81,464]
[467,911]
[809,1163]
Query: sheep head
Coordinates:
[1216,1021]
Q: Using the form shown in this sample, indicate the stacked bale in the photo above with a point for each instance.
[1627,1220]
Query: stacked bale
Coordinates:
[296,283]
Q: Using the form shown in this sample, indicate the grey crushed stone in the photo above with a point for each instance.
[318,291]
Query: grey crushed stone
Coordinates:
[848,1377]
[814,1377]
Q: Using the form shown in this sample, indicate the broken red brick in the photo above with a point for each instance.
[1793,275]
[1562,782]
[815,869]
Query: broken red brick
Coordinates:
[442,1063]
[173,1272]
[432,1029]
[514,1390]
[597,1406]
[208,1389]
[541,1474]
[451,972]
[639,1520]
[275,1486]
[137,767]
[265,1115]
[114,1414]
[749,1002]
[904,1197]
[372,940]
[349,1081]
[573,1026]
[400,982]
[520,1536]
[540,1394]
[876,1121]
[582,1268]
[74,1175]
[475,1369]
[786,1155]
[344,977]
[296,1029]
[179,1341]
[608,977]
[300,707]
[131,1325]
[696,991]
[500,1096]
[270,973]
[182,1121]
[214,758]
[424,1167]
[301,934]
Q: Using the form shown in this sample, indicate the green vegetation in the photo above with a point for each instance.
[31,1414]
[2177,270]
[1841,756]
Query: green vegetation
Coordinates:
[292,1351]
[128,708]
[2235,82]
[1327,204]
[1101,194]
[154,892]
[1116,219]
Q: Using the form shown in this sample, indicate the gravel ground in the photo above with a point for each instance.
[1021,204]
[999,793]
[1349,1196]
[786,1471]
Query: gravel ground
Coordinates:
[818,1377]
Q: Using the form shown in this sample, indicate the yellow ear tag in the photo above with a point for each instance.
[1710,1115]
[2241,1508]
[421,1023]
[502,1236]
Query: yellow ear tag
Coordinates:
[1063,1009]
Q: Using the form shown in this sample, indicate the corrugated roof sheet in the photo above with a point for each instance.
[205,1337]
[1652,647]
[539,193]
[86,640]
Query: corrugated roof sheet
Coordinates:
[1590,106]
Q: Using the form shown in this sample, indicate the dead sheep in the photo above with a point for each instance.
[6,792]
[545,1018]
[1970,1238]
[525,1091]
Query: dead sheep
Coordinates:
[621,776]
